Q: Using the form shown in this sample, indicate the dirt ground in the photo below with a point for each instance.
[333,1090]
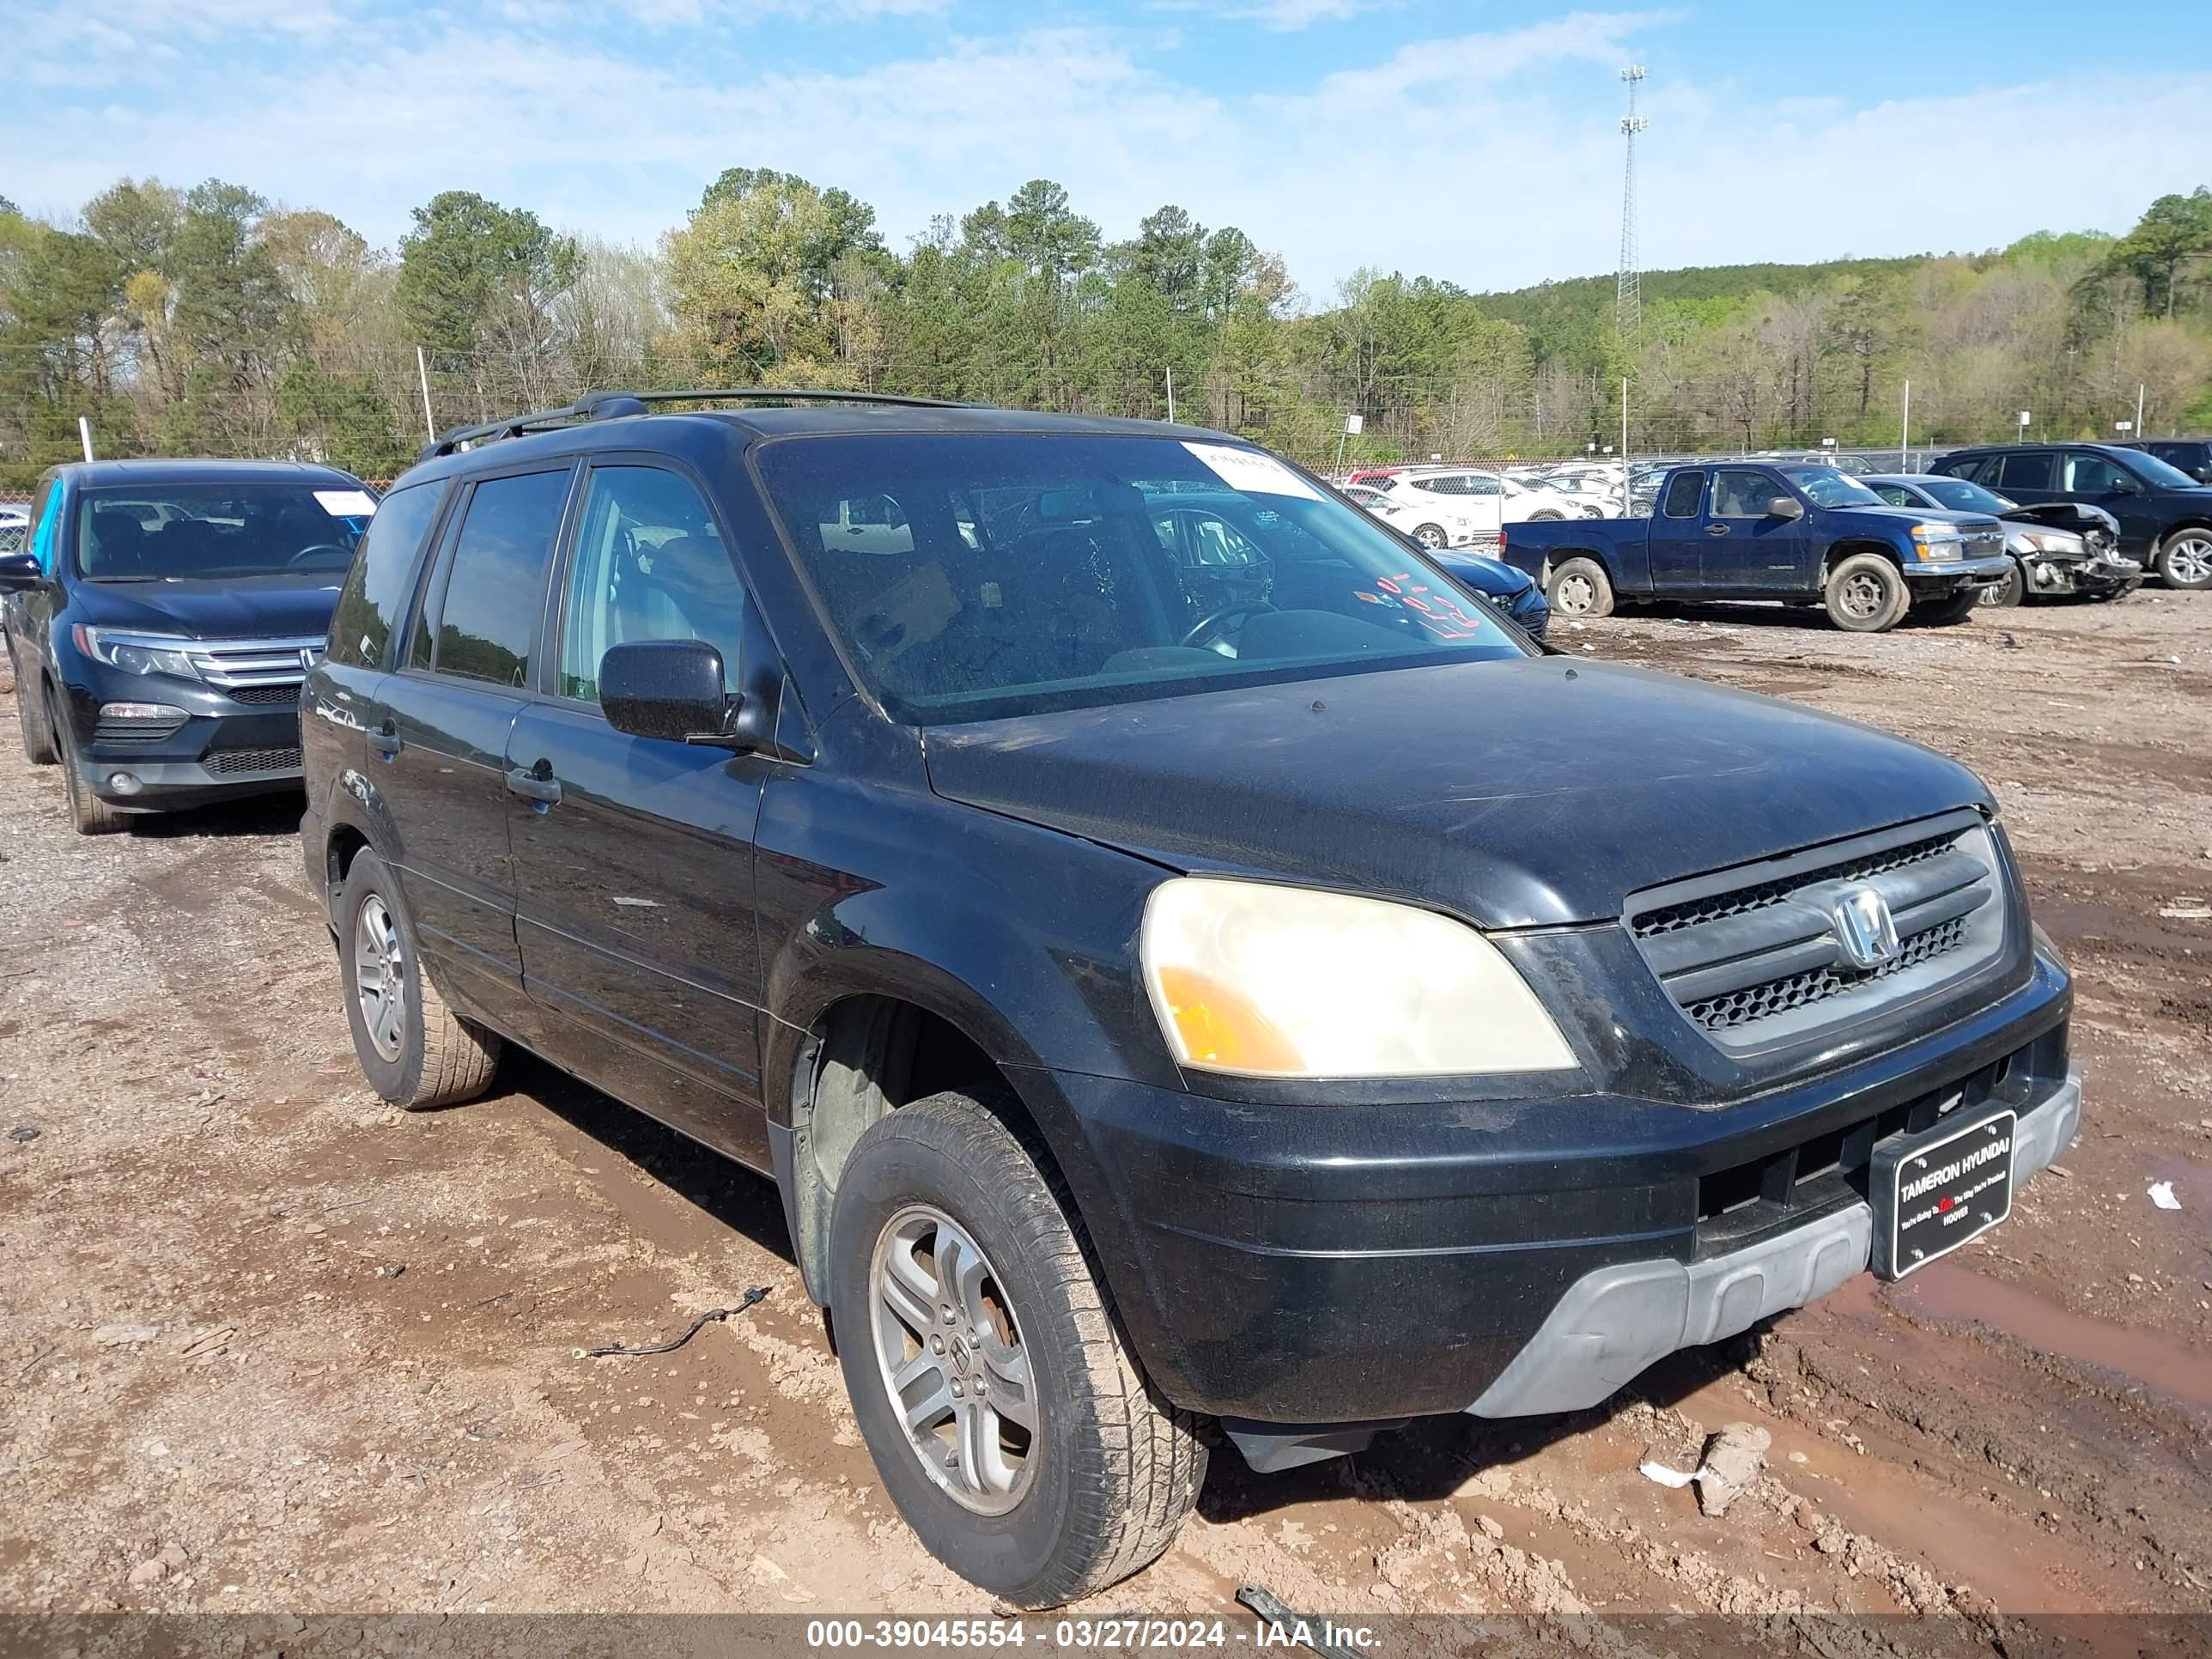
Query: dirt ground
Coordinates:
[268,1345]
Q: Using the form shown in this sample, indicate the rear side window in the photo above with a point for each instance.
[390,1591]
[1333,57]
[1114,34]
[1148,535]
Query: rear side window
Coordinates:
[496,579]
[1982,468]
[383,574]
[1684,491]
[2027,469]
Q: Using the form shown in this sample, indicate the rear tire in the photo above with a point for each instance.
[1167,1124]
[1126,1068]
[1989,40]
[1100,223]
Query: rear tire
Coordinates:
[38,739]
[2185,559]
[89,814]
[1866,594]
[415,1051]
[1580,588]
[1097,1482]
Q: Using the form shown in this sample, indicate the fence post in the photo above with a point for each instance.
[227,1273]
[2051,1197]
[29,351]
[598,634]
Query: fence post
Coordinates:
[1904,433]
[423,374]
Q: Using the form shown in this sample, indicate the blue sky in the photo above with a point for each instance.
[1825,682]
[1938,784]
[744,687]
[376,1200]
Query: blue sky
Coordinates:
[1472,140]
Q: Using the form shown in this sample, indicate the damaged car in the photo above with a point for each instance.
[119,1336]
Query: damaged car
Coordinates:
[1187,995]
[2057,547]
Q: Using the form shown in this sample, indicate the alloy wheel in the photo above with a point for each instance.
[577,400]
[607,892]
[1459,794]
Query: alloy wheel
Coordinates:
[379,975]
[951,1356]
[2189,559]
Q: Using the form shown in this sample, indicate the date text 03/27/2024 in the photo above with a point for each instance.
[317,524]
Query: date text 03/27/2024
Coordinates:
[1087,1635]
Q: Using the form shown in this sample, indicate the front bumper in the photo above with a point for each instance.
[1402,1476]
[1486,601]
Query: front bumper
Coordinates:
[222,750]
[1951,576]
[1298,1269]
[2096,574]
[1616,1320]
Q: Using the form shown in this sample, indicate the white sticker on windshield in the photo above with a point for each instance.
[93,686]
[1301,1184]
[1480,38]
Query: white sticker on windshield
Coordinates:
[1249,470]
[347,504]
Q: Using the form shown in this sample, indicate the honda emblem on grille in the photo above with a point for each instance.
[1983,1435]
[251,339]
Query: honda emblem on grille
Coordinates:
[1864,927]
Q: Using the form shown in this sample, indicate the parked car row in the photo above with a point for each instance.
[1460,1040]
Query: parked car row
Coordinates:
[1985,526]
[1180,958]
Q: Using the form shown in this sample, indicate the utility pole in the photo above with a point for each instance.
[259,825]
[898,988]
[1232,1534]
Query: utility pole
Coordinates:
[84,435]
[422,373]
[1904,433]
[1627,501]
[2139,403]
[1628,293]
[1171,394]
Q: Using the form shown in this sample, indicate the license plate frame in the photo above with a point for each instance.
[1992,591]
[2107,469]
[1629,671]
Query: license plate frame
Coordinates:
[1912,1186]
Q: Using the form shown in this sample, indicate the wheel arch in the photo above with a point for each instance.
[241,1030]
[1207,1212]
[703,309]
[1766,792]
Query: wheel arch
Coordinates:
[1851,548]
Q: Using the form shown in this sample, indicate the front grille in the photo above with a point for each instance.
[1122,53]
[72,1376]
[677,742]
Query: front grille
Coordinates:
[286,692]
[1779,996]
[1985,544]
[1770,953]
[232,761]
[232,663]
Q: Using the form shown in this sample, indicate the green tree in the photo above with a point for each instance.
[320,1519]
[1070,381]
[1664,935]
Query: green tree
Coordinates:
[473,273]
[2174,236]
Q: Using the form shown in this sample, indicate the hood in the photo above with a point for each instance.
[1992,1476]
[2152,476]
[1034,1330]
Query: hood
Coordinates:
[1529,792]
[1912,516]
[2080,517]
[1487,575]
[279,606]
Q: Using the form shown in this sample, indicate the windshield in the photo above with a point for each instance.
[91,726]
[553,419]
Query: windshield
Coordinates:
[1824,486]
[1962,496]
[1010,574]
[215,532]
[2156,473]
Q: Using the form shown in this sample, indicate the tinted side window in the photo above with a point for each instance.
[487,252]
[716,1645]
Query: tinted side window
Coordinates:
[2026,470]
[1973,468]
[383,574]
[649,564]
[1895,495]
[488,611]
[1684,491]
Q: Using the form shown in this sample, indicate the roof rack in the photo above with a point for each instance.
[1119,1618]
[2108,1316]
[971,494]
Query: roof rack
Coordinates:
[613,406]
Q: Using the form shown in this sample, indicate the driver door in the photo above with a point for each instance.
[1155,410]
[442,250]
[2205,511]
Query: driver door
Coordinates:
[1746,550]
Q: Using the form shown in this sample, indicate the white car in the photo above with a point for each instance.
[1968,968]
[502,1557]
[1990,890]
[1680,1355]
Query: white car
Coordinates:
[14,529]
[1431,504]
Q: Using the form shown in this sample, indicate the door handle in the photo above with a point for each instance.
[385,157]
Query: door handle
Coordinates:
[385,739]
[545,790]
[1716,529]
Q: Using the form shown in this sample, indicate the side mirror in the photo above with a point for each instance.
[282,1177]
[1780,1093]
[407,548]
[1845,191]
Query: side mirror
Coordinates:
[2202,474]
[1785,506]
[667,689]
[18,572]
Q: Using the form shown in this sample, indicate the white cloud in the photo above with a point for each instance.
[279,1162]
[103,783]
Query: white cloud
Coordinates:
[1488,158]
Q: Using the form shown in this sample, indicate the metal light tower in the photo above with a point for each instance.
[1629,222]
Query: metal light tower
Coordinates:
[1628,296]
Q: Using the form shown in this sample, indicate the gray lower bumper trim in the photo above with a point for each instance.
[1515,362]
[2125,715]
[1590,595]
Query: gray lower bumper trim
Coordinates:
[1613,1323]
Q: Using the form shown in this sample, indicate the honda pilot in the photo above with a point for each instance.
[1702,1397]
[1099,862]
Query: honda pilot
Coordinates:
[161,623]
[1195,974]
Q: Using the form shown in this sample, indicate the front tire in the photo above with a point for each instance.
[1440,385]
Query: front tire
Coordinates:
[2007,593]
[89,814]
[1866,594]
[415,1051]
[1947,612]
[2185,559]
[957,1263]
[1432,536]
[38,737]
[1580,588]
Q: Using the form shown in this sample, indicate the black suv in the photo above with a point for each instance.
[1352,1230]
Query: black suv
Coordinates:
[161,620]
[1255,986]
[2165,515]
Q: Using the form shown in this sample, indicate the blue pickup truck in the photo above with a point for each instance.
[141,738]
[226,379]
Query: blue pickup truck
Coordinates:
[1803,534]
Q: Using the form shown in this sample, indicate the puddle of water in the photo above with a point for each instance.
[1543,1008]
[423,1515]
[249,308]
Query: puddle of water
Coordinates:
[1944,1290]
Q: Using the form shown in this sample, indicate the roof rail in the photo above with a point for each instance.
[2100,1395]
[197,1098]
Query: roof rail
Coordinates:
[613,406]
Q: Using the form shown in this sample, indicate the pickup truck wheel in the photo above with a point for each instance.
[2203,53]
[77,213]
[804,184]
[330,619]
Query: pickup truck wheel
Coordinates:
[1432,536]
[1006,1414]
[37,741]
[1866,595]
[1580,587]
[2185,559]
[415,1051]
[2009,592]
